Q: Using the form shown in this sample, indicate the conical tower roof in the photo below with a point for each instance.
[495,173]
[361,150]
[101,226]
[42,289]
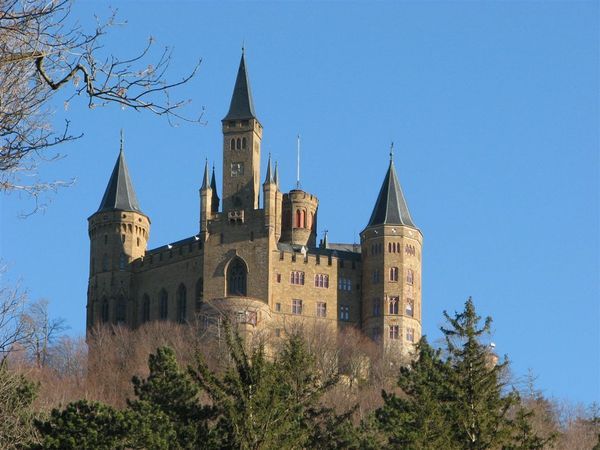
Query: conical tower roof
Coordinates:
[242,105]
[215,196]
[119,194]
[390,207]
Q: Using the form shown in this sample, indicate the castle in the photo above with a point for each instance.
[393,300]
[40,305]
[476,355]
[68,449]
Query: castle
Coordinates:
[260,264]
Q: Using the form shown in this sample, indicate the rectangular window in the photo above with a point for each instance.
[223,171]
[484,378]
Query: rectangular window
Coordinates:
[344,312]
[322,280]
[409,309]
[376,307]
[278,307]
[376,276]
[410,334]
[321,309]
[297,277]
[393,274]
[345,284]
[297,307]
[393,305]
[279,278]
[410,276]
[237,169]
[394,331]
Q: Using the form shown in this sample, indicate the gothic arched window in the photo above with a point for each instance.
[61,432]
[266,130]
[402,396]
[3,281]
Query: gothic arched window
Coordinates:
[298,218]
[181,303]
[199,293]
[163,309]
[104,310]
[232,144]
[238,144]
[145,308]
[120,310]
[236,278]
[244,143]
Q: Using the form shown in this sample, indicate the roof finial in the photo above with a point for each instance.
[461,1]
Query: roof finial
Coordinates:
[298,163]
[243,47]
[122,141]
[392,151]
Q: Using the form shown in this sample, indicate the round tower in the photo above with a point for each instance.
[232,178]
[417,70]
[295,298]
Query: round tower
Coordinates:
[299,212]
[118,233]
[391,263]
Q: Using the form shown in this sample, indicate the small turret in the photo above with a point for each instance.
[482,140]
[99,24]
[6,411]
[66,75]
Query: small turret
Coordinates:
[270,199]
[206,199]
[299,218]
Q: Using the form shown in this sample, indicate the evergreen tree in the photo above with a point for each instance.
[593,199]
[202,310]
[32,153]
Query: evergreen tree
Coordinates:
[419,418]
[172,392]
[16,413]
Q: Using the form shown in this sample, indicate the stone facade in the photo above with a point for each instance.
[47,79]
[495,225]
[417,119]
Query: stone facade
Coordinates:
[261,266]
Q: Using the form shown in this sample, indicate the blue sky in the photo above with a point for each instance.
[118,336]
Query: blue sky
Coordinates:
[493,108]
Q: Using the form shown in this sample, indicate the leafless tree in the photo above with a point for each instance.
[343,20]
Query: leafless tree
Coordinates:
[13,331]
[43,50]
[41,331]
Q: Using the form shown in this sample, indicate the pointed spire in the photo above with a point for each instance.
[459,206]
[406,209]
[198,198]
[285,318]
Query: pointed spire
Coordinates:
[390,207]
[215,196]
[326,239]
[269,177]
[119,194]
[242,105]
[205,179]
[276,175]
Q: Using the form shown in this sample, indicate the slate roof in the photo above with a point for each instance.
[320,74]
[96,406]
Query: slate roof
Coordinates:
[242,105]
[119,194]
[390,207]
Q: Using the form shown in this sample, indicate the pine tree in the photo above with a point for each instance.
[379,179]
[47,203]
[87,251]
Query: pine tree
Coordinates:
[419,418]
[479,407]
[173,392]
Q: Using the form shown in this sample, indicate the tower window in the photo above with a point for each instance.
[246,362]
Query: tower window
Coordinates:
[163,309]
[121,310]
[181,303]
[237,169]
[410,334]
[393,306]
[278,277]
[123,238]
[122,261]
[298,218]
[199,293]
[344,284]
[145,308]
[278,307]
[297,307]
[138,242]
[236,278]
[297,277]
[394,332]
[244,143]
[344,312]
[232,144]
[393,274]
[376,276]
[409,309]
[104,310]
[376,307]
[410,276]
[238,144]
[321,309]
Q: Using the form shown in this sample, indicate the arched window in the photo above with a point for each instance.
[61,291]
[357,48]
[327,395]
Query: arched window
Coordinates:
[145,308]
[120,310]
[393,274]
[238,144]
[122,261]
[199,293]
[410,276]
[390,247]
[163,309]
[181,303]
[302,219]
[236,278]
[298,218]
[104,310]
[243,142]
[232,144]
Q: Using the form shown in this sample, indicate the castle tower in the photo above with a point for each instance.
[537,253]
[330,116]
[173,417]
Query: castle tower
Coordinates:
[119,233]
[299,218]
[242,134]
[391,255]
[207,196]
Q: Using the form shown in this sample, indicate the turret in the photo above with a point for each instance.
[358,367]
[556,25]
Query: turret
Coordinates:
[299,225]
[207,196]
[391,254]
[270,200]
[119,233]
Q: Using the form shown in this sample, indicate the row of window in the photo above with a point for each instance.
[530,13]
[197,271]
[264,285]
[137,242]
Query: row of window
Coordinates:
[297,308]
[304,220]
[393,247]
[321,280]
[237,144]
[394,333]
[394,275]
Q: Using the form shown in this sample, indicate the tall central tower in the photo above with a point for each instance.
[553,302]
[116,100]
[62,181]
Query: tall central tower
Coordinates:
[242,135]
